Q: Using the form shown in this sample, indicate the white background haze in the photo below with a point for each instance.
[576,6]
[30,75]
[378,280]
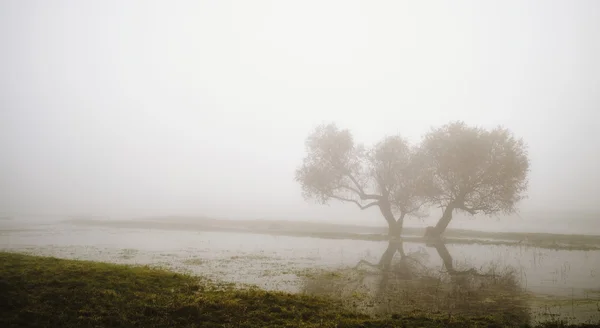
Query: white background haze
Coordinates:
[144,108]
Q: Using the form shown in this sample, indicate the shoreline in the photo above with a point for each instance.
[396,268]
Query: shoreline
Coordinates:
[103,294]
[332,231]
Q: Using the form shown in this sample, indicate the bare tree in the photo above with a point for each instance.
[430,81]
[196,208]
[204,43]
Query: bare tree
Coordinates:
[383,176]
[474,170]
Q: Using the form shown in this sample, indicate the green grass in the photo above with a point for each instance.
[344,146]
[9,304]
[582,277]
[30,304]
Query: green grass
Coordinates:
[49,292]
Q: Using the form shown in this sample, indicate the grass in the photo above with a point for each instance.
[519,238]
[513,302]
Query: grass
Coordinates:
[49,292]
[193,262]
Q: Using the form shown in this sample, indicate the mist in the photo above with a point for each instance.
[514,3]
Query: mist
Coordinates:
[196,163]
[201,108]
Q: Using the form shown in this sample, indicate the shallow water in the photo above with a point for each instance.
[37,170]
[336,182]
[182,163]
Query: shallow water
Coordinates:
[275,262]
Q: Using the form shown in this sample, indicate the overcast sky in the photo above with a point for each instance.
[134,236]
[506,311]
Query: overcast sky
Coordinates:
[202,107]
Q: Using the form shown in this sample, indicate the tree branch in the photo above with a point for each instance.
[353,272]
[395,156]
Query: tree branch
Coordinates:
[359,192]
[362,207]
[370,197]
[468,210]
[417,207]
[356,183]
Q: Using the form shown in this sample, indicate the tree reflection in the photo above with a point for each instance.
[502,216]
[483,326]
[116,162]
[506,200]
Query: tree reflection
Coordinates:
[408,284]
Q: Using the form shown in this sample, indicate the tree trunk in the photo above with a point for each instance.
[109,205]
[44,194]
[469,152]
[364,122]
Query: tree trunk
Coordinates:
[394,227]
[436,232]
[445,219]
[400,224]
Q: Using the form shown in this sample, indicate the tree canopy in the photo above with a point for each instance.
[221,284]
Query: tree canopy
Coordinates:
[475,170]
[456,167]
[383,176]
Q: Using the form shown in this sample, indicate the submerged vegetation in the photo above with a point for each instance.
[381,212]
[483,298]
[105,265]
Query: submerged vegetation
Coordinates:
[407,286]
[42,292]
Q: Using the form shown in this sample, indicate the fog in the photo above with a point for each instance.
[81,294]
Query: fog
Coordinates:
[145,108]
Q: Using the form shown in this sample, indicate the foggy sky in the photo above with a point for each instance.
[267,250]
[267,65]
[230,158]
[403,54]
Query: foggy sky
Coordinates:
[202,107]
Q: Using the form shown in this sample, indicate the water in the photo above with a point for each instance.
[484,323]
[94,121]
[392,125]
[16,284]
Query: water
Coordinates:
[534,222]
[281,262]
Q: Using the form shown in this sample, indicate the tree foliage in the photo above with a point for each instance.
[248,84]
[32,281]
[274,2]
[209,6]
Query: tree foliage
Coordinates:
[334,167]
[476,170]
[456,167]
[399,174]
[337,168]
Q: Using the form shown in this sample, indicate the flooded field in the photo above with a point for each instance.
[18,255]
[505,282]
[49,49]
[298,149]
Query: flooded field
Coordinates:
[374,276]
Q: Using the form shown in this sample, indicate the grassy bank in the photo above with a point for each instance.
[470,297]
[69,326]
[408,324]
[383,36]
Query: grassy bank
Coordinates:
[49,292]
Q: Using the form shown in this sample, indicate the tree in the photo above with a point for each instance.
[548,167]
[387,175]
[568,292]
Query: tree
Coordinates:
[474,170]
[384,176]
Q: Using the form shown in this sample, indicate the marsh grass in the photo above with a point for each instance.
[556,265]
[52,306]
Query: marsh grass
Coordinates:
[193,261]
[49,292]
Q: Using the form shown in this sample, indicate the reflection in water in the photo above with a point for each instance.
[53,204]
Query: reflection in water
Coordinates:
[561,284]
[408,286]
